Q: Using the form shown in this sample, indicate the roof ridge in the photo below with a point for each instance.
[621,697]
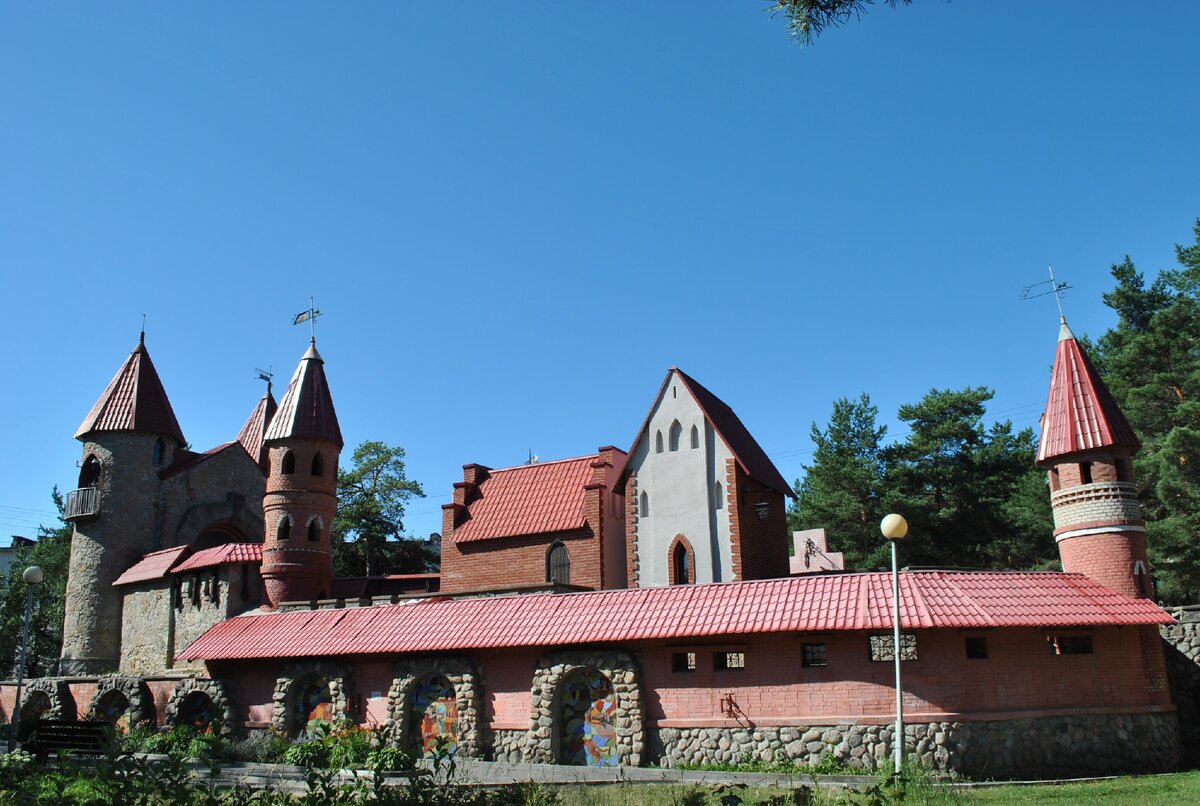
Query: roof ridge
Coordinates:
[526,466]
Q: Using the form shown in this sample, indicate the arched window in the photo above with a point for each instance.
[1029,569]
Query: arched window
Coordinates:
[644,509]
[558,565]
[289,463]
[283,530]
[658,448]
[676,433]
[695,437]
[318,465]
[681,564]
[314,529]
[157,455]
[89,474]
[718,496]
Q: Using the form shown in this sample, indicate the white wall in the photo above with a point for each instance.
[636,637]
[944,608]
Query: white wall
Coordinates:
[680,488]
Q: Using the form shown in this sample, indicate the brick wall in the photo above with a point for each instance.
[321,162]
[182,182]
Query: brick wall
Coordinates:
[760,545]
[1107,558]
[510,561]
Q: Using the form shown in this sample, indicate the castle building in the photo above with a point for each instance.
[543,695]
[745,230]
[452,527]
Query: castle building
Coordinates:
[621,608]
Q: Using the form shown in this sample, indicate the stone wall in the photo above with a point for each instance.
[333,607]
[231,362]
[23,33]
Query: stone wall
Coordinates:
[507,745]
[1181,645]
[145,627]
[291,684]
[1059,746]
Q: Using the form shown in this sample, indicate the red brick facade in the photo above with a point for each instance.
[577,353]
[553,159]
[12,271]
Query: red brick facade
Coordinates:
[757,526]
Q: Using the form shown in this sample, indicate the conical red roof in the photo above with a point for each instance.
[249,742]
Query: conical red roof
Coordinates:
[306,411]
[253,432]
[1081,414]
[134,401]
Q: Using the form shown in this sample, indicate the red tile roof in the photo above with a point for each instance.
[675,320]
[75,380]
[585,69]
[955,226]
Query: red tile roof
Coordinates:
[224,554]
[1081,414]
[251,435]
[930,599]
[306,411]
[134,400]
[528,500]
[729,427]
[155,565]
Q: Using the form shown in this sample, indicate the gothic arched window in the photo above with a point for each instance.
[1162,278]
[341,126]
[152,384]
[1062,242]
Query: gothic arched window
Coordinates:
[676,433]
[288,464]
[318,465]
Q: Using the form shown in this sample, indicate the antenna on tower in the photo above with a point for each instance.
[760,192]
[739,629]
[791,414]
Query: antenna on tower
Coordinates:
[309,316]
[1056,288]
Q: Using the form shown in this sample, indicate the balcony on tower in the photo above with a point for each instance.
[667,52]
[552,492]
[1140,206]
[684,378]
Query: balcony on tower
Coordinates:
[82,504]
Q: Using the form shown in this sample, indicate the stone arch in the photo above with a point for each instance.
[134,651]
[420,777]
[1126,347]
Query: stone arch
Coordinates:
[110,691]
[299,677]
[543,742]
[62,704]
[410,673]
[91,472]
[219,697]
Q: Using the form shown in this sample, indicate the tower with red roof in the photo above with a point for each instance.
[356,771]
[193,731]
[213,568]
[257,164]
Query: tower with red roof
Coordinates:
[303,443]
[129,435]
[1087,446]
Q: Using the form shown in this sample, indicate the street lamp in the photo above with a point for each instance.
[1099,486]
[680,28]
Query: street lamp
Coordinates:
[894,528]
[32,576]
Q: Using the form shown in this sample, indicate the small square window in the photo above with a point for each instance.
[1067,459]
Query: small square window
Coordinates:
[881,647]
[977,648]
[1069,644]
[728,661]
[814,655]
[683,661]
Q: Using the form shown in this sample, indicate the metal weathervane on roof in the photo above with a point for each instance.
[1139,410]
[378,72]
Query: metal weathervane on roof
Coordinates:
[264,375]
[309,316]
[1056,288]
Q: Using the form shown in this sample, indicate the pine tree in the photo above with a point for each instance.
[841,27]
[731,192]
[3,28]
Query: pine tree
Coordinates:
[1151,363]
[842,488]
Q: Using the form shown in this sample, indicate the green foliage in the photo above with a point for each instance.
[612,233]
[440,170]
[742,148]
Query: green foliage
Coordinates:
[970,492]
[186,741]
[1151,364]
[52,552]
[369,526]
[806,19]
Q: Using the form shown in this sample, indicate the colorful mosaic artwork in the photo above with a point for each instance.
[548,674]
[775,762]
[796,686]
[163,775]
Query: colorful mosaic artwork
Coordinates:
[436,706]
[588,708]
[314,702]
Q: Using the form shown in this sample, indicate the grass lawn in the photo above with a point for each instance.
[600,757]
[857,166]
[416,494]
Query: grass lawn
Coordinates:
[1168,790]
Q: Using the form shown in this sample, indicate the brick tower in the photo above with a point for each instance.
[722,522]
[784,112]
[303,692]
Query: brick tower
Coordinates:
[303,442]
[1087,446]
[128,437]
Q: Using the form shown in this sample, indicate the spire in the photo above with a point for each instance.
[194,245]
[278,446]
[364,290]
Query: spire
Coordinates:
[306,411]
[134,400]
[252,433]
[1081,414]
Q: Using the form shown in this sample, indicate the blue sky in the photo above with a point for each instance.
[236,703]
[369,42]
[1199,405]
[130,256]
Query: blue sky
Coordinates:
[516,217]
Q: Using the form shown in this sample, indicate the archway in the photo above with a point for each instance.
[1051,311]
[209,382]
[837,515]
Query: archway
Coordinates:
[202,701]
[113,708]
[433,726]
[197,710]
[587,707]
[36,706]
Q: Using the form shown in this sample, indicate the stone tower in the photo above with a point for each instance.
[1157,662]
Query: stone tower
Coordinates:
[1087,446]
[303,442]
[128,437]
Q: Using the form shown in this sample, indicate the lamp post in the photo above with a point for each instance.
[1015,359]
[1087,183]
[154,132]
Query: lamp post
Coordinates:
[32,576]
[894,528]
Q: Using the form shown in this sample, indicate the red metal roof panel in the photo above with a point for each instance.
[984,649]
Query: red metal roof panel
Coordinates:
[929,599]
[1081,414]
[224,554]
[255,428]
[155,565]
[529,499]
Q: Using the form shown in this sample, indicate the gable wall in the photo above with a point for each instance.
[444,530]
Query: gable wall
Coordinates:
[508,561]
[680,487]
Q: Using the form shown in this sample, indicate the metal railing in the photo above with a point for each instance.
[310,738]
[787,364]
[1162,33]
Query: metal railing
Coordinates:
[82,503]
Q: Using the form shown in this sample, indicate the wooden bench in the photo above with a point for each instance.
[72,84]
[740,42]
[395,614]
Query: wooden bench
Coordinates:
[51,735]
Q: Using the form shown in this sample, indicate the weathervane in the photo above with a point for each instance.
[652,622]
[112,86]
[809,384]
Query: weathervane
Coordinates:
[1056,288]
[264,375]
[309,316]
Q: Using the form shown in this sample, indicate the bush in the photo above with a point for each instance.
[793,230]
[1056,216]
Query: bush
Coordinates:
[261,746]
